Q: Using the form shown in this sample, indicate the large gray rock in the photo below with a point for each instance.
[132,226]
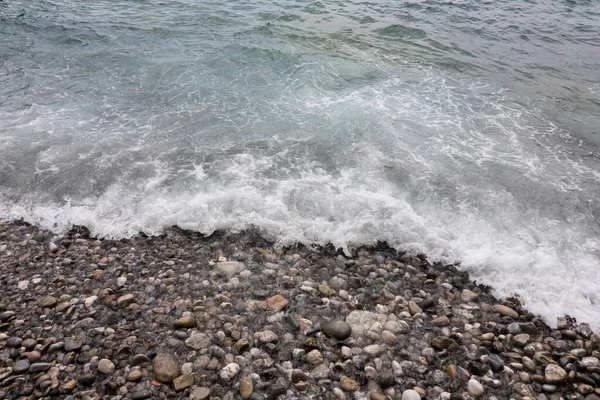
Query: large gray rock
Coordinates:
[231,267]
[198,341]
[166,367]
[337,329]
[554,374]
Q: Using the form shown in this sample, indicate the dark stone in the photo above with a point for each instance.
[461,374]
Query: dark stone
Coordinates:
[140,359]
[337,329]
[444,343]
[21,367]
[298,376]
[72,345]
[86,379]
[14,341]
[141,394]
[496,364]
[37,367]
[385,380]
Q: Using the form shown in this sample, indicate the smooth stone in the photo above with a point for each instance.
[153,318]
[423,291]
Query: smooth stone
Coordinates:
[183,382]
[440,321]
[521,339]
[414,308]
[125,300]
[72,345]
[139,359]
[298,376]
[166,367]
[337,329]
[198,341]
[411,395]
[39,367]
[385,380]
[444,343]
[475,388]
[468,296]
[106,366]
[554,374]
[134,375]
[201,393]
[86,379]
[373,350]
[21,367]
[186,321]
[141,394]
[506,311]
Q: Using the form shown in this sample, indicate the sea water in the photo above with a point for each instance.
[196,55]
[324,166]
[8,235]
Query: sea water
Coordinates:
[465,129]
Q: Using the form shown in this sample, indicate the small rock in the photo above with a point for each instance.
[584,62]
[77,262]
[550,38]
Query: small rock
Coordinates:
[201,393]
[414,308]
[198,341]
[21,367]
[475,388]
[134,375]
[229,371]
[246,388]
[72,345]
[52,247]
[385,380]
[440,321]
[230,267]
[106,366]
[337,329]
[69,386]
[468,296]
[266,336]
[39,367]
[141,394]
[554,374]
[183,382]
[373,350]
[166,367]
[125,300]
[314,357]
[348,384]
[186,321]
[121,281]
[444,343]
[521,339]
[298,376]
[23,285]
[90,301]
[86,379]
[277,303]
[410,395]
[47,301]
[506,311]
[139,359]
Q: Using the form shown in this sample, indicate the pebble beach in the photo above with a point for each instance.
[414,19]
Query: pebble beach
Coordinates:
[233,315]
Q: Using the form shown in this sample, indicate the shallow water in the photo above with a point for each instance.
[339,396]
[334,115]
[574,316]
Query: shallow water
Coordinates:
[464,129]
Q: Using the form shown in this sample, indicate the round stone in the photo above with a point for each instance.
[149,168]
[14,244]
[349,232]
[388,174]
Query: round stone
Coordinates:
[166,367]
[410,395]
[554,374]
[201,393]
[134,375]
[106,366]
[246,388]
[475,388]
[337,329]
[21,366]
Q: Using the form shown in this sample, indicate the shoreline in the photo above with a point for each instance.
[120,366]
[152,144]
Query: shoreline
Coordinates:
[182,315]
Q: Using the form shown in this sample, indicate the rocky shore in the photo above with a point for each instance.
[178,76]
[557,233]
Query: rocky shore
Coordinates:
[230,316]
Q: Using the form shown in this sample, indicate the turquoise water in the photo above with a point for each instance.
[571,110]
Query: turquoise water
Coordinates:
[468,130]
